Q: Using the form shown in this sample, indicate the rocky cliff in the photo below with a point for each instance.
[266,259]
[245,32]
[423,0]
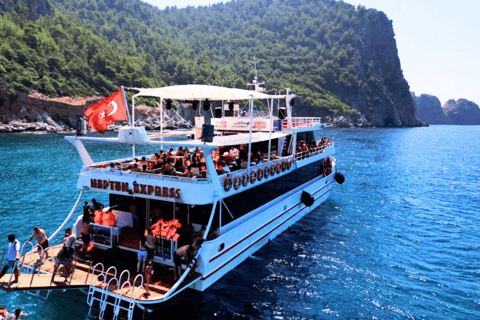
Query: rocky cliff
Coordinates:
[462,111]
[385,99]
[429,109]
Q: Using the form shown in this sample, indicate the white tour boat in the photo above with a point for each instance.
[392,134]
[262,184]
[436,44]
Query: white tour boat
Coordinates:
[276,169]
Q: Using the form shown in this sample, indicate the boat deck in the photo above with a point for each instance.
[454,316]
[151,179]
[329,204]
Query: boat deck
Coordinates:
[161,283]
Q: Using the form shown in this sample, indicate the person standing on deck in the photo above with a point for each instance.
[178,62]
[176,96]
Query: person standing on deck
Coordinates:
[97,205]
[141,255]
[13,255]
[185,251]
[42,239]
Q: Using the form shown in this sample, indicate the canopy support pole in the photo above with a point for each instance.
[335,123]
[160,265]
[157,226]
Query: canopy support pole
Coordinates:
[133,123]
[270,131]
[250,134]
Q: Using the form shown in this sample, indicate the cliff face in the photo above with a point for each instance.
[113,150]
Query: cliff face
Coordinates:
[380,58]
[431,111]
[384,100]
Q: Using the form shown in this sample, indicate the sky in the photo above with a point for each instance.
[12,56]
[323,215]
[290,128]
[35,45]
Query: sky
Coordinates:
[438,43]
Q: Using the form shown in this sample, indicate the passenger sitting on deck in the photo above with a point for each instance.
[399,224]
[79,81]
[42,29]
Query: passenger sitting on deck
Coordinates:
[169,168]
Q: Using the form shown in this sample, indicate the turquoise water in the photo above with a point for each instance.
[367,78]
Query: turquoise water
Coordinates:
[399,240]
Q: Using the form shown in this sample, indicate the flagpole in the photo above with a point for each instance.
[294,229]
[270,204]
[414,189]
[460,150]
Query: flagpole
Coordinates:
[126,105]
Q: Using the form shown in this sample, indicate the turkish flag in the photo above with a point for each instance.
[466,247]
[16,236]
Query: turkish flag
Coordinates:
[107,111]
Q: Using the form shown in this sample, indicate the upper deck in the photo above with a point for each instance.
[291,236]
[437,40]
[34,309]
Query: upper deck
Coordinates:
[265,144]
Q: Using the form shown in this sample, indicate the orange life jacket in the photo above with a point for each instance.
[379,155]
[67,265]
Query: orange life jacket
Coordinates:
[98,216]
[109,219]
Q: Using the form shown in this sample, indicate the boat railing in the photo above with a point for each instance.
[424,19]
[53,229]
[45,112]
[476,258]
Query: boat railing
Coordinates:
[301,122]
[149,175]
[272,165]
[310,152]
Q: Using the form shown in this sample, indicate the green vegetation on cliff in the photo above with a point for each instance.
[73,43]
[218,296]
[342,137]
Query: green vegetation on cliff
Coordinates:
[329,53]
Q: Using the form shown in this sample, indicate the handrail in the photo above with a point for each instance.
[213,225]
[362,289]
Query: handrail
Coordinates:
[121,276]
[311,152]
[37,263]
[68,217]
[135,281]
[151,175]
[93,272]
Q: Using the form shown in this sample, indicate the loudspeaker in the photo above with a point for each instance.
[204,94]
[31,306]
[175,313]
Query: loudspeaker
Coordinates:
[282,113]
[218,112]
[207,133]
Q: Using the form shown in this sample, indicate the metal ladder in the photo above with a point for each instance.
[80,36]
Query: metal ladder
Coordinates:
[104,295]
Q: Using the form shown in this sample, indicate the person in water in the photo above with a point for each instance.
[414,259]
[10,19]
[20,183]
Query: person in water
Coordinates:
[13,256]
[4,313]
[19,314]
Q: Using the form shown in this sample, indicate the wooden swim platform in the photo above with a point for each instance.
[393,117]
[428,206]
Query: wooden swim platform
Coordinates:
[83,277]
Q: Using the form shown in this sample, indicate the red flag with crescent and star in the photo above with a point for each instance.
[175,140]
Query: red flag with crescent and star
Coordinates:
[107,111]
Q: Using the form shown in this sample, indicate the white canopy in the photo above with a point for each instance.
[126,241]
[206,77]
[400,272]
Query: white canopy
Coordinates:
[200,92]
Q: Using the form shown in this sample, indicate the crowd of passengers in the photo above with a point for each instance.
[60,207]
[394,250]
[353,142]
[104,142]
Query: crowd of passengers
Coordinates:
[183,162]
[320,145]
[231,159]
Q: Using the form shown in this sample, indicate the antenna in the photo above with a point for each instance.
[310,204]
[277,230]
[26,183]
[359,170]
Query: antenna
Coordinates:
[255,80]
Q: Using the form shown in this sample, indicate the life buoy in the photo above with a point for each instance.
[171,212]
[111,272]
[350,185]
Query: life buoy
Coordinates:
[260,174]
[272,170]
[289,164]
[237,182]
[227,184]
[245,180]
[284,165]
[253,177]
[278,168]
[267,172]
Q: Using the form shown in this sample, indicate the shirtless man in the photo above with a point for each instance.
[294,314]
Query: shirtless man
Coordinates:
[42,239]
[185,251]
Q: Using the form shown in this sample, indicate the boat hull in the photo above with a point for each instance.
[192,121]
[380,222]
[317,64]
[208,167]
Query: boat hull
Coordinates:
[263,224]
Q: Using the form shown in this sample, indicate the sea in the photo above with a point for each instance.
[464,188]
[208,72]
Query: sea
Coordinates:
[398,240]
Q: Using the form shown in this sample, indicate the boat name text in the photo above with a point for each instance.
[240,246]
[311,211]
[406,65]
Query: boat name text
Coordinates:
[137,188]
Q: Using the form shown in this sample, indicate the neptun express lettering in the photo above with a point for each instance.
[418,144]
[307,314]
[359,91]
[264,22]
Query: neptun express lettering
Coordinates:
[138,188]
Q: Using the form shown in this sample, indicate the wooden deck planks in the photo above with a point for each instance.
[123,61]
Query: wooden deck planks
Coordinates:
[162,279]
